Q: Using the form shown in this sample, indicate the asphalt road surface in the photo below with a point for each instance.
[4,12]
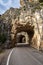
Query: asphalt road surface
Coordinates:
[24,56]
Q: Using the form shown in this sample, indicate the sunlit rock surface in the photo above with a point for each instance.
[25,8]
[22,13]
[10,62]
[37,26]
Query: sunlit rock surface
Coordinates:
[26,19]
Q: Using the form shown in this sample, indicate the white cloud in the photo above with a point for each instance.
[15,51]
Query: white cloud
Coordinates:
[7,3]
[1,11]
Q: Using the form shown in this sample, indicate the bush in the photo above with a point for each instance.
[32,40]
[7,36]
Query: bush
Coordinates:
[40,1]
[3,38]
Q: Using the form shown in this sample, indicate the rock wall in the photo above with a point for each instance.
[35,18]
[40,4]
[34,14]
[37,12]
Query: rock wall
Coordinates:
[28,22]
[25,19]
[21,27]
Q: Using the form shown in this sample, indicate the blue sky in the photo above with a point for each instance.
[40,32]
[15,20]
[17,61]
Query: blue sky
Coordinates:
[6,4]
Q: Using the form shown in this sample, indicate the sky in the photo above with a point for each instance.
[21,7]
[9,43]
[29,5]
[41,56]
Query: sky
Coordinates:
[6,4]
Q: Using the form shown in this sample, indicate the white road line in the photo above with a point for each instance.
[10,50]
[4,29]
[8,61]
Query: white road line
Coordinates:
[9,57]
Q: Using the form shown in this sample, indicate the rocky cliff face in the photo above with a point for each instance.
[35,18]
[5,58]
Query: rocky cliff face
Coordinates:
[25,19]
[25,2]
[6,23]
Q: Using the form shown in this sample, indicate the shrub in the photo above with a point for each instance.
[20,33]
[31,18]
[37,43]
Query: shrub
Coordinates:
[3,38]
[40,1]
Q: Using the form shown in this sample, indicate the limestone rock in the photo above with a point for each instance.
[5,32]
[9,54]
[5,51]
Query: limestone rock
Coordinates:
[23,21]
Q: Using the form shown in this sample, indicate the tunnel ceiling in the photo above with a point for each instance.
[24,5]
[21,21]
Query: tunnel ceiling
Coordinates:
[26,28]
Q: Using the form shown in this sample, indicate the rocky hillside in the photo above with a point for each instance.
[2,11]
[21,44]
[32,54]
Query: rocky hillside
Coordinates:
[6,25]
[11,13]
[22,17]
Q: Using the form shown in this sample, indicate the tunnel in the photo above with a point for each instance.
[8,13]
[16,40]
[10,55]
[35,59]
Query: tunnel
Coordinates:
[23,34]
[21,39]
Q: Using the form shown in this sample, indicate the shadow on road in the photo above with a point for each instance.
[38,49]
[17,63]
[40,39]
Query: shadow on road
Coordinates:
[22,45]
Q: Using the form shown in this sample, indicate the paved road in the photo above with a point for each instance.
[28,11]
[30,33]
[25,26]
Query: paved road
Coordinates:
[25,56]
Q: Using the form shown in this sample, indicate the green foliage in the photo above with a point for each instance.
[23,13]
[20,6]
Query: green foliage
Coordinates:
[3,38]
[24,8]
[36,8]
[41,4]
[40,1]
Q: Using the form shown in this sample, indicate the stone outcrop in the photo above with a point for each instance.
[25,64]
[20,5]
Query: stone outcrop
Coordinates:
[27,21]
[19,27]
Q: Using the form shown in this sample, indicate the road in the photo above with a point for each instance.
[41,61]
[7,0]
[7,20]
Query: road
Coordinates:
[24,56]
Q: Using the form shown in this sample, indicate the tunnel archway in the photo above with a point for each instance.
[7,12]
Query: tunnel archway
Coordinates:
[22,37]
[26,28]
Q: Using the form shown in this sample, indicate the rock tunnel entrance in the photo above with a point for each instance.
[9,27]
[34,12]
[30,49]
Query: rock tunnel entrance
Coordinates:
[24,38]
[23,33]
[21,39]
